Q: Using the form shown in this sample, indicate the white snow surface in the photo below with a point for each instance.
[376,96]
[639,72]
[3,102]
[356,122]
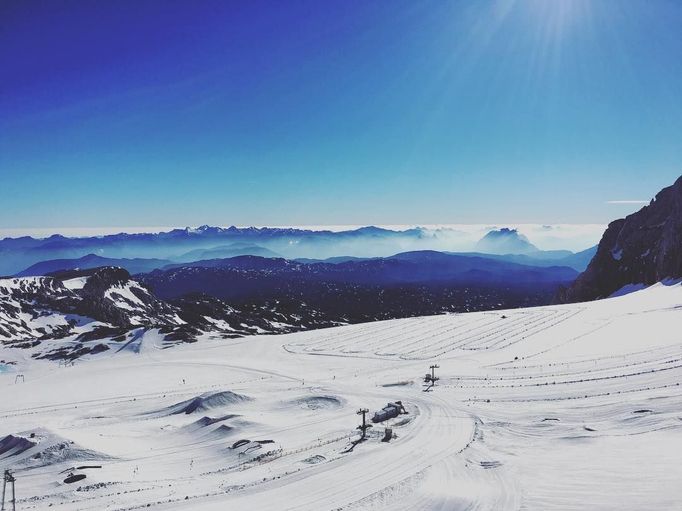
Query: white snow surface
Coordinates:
[567,407]
[75,283]
[25,284]
[123,296]
[18,323]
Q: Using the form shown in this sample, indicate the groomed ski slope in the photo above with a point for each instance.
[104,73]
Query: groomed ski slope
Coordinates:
[564,407]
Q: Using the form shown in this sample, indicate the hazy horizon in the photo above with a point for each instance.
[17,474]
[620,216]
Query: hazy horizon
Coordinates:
[574,237]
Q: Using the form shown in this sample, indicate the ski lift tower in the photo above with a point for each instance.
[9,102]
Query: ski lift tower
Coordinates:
[430,378]
[8,478]
[363,427]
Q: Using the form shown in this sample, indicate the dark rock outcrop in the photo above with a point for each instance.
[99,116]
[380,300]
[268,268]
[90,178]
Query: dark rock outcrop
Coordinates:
[44,308]
[34,298]
[111,296]
[643,248]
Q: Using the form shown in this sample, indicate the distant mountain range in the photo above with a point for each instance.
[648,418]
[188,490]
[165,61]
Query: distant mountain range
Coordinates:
[67,307]
[207,257]
[90,310]
[226,251]
[245,277]
[512,246]
[642,248]
[541,258]
[17,255]
[89,261]
[578,261]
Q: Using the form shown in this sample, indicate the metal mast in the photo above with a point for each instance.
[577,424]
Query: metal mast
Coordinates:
[363,427]
[8,478]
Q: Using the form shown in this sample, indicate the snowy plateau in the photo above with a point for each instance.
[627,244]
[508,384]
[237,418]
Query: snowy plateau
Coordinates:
[574,406]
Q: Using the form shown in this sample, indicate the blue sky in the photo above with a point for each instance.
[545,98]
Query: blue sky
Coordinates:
[391,112]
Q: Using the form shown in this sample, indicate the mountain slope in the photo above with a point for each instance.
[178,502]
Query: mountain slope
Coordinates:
[18,253]
[643,248]
[404,285]
[505,241]
[36,307]
[578,261]
[246,276]
[136,265]
[77,312]
[27,308]
[226,251]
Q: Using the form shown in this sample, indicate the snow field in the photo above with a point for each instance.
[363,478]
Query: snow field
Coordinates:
[565,407]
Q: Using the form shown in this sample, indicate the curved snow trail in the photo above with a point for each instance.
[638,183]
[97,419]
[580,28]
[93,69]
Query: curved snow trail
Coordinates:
[366,471]
[456,483]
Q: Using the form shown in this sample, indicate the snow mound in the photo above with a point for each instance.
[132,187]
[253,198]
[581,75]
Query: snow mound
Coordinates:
[223,430]
[205,402]
[62,452]
[209,421]
[314,460]
[12,445]
[41,448]
[217,427]
[318,402]
[626,290]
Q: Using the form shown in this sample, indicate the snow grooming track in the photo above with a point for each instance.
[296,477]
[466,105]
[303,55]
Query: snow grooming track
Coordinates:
[525,397]
[438,336]
[363,473]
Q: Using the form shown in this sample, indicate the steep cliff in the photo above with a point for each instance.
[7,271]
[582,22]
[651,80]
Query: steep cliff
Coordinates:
[643,248]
